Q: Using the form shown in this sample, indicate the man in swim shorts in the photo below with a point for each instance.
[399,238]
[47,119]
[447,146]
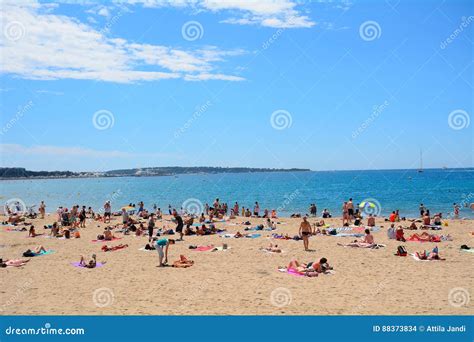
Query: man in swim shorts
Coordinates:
[305,232]
[179,225]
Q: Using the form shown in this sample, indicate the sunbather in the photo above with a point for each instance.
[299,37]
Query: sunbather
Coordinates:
[13,263]
[34,252]
[113,248]
[368,241]
[183,262]
[433,255]
[91,264]
[272,248]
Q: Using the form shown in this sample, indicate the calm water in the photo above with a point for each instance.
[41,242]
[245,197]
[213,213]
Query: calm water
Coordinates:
[291,192]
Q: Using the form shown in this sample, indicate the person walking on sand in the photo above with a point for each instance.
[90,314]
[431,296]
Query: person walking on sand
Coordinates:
[345,214]
[179,225]
[151,226]
[305,232]
[42,209]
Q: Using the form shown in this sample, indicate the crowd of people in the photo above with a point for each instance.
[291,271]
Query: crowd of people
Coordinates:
[136,219]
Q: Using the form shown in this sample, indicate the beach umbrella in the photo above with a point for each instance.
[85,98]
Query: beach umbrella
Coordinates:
[367,203]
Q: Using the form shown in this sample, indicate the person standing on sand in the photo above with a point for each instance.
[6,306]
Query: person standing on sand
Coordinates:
[179,225]
[159,246]
[151,226]
[256,210]
[350,209]
[305,232]
[42,209]
[345,214]
[107,211]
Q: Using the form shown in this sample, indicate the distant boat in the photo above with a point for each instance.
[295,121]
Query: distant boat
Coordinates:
[445,167]
[420,170]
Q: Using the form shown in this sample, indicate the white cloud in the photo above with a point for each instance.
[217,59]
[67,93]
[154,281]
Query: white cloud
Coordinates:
[270,13]
[44,46]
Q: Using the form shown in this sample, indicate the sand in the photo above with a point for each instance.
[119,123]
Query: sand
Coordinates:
[240,281]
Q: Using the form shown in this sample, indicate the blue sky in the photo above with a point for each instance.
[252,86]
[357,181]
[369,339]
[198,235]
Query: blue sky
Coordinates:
[322,85]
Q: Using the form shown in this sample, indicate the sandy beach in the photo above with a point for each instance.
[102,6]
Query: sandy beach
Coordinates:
[240,281]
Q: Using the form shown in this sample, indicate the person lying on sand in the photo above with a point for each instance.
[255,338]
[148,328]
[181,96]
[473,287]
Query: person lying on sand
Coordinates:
[108,235]
[423,237]
[272,248]
[311,269]
[367,241]
[91,264]
[183,262]
[13,262]
[433,255]
[34,252]
[113,248]
[15,218]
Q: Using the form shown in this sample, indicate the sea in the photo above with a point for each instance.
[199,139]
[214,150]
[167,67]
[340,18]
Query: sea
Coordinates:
[378,192]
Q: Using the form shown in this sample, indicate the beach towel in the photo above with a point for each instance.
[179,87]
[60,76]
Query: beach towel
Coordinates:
[290,272]
[114,239]
[349,234]
[432,226]
[467,250]
[78,264]
[253,236]
[228,235]
[44,253]
[270,252]
[220,249]
[146,250]
[203,248]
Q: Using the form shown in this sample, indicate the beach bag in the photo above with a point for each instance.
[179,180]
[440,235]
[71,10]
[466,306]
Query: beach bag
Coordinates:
[401,251]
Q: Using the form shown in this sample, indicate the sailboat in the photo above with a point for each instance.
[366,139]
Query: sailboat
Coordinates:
[420,170]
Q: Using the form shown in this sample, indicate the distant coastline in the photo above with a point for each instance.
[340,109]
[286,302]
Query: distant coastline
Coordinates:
[18,173]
